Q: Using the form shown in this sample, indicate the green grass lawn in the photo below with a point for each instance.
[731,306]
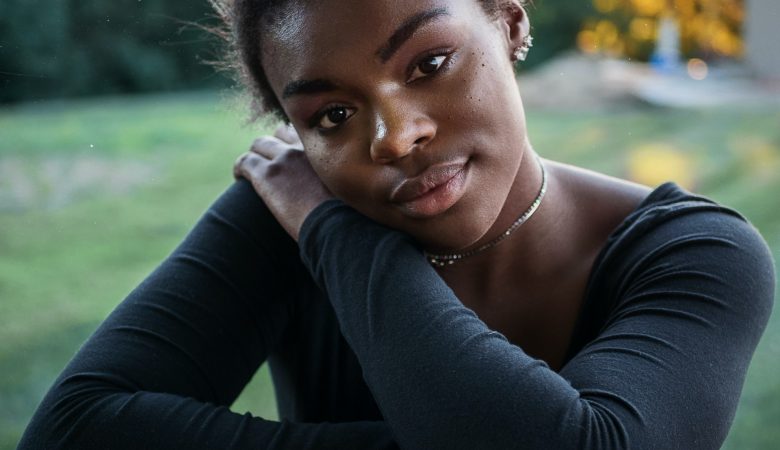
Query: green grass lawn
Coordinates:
[94,194]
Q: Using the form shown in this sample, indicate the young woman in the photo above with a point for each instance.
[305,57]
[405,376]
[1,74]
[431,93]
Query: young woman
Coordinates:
[448,288]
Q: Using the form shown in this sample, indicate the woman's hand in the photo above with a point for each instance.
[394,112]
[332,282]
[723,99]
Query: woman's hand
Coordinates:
[282,176]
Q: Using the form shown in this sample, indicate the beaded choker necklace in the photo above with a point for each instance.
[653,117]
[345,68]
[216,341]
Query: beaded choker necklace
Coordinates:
[446,259]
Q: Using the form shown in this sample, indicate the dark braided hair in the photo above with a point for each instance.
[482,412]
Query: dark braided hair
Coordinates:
[245,22]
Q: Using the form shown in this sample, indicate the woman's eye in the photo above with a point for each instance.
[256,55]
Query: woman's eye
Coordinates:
[428,66]
[334,117]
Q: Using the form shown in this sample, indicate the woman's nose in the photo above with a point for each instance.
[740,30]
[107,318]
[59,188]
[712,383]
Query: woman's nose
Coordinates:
[398,132]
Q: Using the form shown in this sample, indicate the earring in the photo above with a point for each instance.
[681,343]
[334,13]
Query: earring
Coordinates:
[521,53]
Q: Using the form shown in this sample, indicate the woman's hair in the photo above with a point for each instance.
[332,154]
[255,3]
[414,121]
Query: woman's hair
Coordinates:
[245,22]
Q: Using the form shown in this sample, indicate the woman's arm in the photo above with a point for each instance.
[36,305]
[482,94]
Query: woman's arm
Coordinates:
[693,295]
[162,370]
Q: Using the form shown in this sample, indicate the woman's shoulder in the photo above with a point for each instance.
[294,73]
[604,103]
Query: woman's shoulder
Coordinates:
[625,212]
[670,213]
[680,253]
[676,242]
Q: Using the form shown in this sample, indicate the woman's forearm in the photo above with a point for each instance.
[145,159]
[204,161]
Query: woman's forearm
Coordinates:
[444,380]
[162,370]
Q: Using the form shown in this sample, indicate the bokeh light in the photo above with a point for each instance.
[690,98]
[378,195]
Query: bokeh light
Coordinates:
[697,69]
[653,163]
[709,29]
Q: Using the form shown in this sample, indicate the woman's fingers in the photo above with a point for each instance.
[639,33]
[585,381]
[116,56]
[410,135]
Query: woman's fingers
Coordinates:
[246,164]
[284,139]
[269,147]
[286,133]
[282,175]
[238,170]
[266,149]
[263,149]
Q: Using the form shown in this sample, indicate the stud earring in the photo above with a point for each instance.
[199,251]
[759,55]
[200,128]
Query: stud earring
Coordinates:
[521,53]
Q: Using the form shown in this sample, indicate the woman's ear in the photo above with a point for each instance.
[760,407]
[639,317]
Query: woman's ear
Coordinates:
[515,25]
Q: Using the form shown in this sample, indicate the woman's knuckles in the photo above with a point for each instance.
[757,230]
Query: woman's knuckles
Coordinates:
[287,134]
[268,146]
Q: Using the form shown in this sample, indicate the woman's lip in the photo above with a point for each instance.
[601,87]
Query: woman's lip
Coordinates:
[433,177]
[432,192]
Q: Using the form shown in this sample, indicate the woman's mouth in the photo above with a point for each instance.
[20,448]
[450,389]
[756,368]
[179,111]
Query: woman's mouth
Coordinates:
[434,191]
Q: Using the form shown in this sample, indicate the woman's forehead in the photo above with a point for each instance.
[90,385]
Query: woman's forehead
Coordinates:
[358,13]
[313,34]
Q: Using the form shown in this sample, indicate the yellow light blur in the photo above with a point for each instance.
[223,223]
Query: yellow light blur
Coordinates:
[725,43]
[642,29]
[629,27]
[607,33]
[684,8]
[587,42]
[605,6]
[761,158]
[649,8]
[734,11]
[653,164]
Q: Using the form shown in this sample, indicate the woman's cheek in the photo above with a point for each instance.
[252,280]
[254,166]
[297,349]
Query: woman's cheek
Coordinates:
[326,165]
[318,161]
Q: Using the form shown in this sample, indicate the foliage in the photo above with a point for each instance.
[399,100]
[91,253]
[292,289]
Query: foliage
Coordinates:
[66,48]
[71,48]
[555,25]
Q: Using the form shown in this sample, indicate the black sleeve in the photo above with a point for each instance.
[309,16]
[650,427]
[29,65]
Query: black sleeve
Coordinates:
[161,371]
[692,297]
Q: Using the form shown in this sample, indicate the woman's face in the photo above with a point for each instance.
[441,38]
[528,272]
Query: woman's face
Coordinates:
[408,109]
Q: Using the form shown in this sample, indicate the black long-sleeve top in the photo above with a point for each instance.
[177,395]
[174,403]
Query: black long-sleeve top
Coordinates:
[369,349]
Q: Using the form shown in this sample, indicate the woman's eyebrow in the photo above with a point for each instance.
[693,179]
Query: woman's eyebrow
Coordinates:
[396,40]
[299,87]
[407,30]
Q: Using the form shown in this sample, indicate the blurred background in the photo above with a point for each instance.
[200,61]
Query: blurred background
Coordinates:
[115,136]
